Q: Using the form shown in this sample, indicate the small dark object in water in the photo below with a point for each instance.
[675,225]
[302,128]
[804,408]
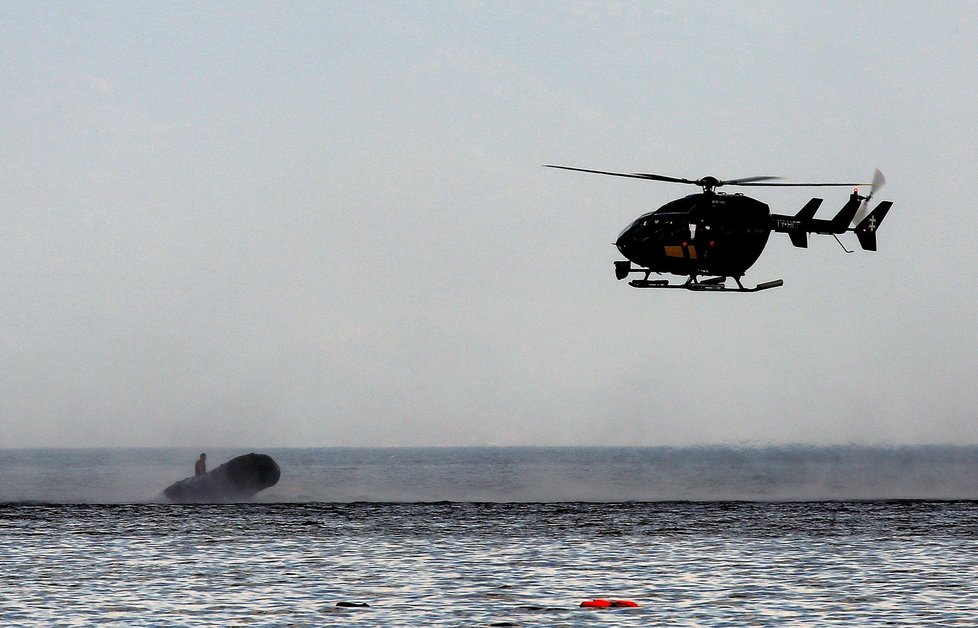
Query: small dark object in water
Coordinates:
[235,480]
[353,605]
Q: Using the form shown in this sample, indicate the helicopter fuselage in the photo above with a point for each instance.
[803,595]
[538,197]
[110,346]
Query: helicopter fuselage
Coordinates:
[722,235]
[701,234]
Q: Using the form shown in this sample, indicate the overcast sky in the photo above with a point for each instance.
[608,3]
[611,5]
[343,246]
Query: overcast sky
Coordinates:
[316,224]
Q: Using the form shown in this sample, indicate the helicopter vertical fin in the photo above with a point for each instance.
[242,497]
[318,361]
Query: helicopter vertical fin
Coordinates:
[840,224]
[866,229]
[799,229]
[807,212]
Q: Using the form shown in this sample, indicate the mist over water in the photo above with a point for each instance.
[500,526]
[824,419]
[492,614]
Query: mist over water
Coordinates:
[550,474]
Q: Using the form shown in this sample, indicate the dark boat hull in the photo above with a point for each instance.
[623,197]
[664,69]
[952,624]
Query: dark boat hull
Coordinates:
[237,479]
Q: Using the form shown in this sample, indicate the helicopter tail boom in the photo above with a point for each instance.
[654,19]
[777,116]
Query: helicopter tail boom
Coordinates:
[796,226]
[801,224]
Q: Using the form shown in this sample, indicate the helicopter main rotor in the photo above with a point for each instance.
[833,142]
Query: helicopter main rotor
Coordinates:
[708,183]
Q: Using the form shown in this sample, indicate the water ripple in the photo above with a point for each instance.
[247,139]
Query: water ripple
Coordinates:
[490,564]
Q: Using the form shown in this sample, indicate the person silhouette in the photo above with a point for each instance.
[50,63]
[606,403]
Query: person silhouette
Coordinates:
[200,467]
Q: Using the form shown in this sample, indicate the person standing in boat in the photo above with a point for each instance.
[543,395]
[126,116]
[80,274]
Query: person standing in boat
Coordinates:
[200,467]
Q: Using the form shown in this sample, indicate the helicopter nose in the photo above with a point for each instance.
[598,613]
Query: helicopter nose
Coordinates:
[627,235]
[624,243]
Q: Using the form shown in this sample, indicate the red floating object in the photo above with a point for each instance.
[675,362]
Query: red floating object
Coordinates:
[608,604]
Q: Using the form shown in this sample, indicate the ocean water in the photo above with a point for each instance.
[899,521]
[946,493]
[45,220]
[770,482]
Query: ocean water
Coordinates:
[504,537]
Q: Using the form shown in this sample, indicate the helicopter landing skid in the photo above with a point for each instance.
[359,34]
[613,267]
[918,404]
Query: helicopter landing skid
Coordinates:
[715,284]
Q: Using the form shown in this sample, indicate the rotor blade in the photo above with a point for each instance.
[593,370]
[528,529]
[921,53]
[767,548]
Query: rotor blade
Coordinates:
[633,175]
[861,213]
[660,177]
[747,180]
[878,181]
[797,185]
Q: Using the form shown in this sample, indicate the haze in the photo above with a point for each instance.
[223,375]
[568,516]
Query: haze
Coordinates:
[318,224]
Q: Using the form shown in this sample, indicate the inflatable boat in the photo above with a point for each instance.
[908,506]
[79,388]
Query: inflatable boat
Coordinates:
[237,479]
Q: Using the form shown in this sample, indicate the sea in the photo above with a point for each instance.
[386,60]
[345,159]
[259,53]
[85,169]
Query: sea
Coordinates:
[700,536]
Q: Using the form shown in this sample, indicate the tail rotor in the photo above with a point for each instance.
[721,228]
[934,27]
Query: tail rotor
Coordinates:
[867,221]
[878,181]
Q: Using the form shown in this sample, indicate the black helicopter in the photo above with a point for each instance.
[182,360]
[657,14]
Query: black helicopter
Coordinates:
[712,236]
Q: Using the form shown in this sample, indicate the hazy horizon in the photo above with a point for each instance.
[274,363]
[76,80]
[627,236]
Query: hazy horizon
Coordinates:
[509,474]
[229,451]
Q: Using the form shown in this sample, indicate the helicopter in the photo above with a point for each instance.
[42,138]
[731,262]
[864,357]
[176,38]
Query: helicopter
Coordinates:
[712,236]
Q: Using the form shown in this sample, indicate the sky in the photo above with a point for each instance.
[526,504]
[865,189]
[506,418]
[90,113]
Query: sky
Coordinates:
[298,224]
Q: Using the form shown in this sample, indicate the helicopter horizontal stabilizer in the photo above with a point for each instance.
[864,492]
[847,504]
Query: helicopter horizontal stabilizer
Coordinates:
[866,229]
